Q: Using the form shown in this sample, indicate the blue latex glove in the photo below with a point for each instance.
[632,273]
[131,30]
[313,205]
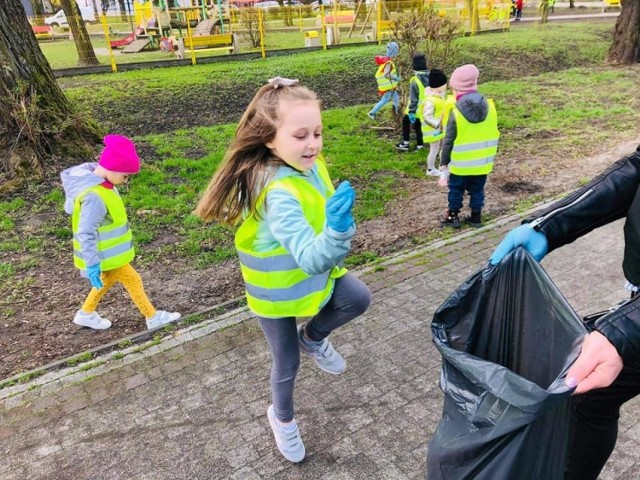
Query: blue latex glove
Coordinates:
[93,272]
[338,208]
[525,236]
[436,132]
[412,118]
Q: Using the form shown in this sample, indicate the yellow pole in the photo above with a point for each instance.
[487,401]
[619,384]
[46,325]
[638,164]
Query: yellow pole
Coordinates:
[193,52]
[323,31]
[379,22]
[114,66]
[300,15]
[261,29]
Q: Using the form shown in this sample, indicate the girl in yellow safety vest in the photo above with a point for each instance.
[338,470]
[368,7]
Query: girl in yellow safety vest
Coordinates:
[295,231]
[387,79]
[434,117]
[102,241]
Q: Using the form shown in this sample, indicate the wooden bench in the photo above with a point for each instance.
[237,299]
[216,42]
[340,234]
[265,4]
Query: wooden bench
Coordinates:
[43,32]
[221,41]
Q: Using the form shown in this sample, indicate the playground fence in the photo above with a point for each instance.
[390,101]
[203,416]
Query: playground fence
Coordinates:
[201,35]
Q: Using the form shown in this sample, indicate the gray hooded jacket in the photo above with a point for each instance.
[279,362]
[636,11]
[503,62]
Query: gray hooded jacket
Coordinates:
[93,211]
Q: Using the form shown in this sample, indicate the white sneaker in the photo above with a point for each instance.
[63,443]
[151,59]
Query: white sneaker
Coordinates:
[162,318]
[323,353]
[433,172]
[287,438]
[91,320]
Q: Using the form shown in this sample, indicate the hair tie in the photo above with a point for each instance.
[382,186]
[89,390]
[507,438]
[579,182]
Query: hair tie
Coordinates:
[283,82]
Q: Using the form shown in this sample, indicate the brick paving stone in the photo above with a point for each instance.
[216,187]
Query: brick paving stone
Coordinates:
[194,407]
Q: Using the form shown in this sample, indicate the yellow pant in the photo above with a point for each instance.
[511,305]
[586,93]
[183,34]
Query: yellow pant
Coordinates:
[131,280]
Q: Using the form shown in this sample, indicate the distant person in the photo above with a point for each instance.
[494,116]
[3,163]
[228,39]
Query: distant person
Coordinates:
[294,235]
[519,5]
[544,11]
[552,4]
[102,240]
[606,374]
[469,146]
[433,113]
[387,78]
[413,114]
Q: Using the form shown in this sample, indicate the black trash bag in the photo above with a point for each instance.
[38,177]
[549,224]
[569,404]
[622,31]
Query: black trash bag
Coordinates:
[507,338]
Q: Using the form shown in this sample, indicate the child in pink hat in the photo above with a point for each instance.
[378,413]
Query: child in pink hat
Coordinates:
[102,241]
[469,147]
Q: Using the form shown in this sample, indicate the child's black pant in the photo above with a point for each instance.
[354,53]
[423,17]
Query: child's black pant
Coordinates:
[406,129]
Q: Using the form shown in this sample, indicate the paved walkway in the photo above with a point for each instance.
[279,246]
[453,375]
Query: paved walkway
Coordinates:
[193,407]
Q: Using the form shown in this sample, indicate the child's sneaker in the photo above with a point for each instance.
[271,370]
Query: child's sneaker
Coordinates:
[419,147]
[287,437]
[91,320]
[372,116]
[322,353]
[162,318]
[451,220]
[433,172]
[402,146]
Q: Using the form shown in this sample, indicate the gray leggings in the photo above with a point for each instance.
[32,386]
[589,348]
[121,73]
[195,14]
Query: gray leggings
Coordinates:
[351,298]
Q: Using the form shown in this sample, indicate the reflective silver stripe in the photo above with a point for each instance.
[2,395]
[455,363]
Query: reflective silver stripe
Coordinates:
[316,283]
[110,234]
[109,252]
[473,163]
[117,250]
[277,263]
[467,147]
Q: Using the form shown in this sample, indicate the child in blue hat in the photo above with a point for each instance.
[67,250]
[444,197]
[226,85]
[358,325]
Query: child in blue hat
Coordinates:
[387,78]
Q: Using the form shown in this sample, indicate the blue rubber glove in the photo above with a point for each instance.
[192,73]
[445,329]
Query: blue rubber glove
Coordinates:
[93,272]
[525,236]
[338,208]
[436,132]
[412,118]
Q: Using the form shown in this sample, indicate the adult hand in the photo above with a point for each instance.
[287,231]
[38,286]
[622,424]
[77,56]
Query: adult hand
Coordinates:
[338,208]
[93,272]
[597,366]
[436,132]
[523,236]
[412,118]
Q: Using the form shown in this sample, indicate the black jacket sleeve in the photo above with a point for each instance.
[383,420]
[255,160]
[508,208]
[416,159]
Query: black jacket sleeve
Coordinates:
[608,197]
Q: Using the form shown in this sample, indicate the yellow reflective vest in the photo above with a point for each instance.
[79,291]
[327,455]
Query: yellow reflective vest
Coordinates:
[385,81]
[438,112]
[114,241]
[275,285]
[476,144]
[421,96]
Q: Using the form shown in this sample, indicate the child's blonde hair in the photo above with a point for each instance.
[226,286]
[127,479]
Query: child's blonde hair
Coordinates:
[234,187]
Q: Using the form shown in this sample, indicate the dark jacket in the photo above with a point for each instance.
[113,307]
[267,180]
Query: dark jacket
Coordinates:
[608,197]
[414,90]
[475,108]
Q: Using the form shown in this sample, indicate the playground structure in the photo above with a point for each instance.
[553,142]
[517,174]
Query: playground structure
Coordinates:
[155,24]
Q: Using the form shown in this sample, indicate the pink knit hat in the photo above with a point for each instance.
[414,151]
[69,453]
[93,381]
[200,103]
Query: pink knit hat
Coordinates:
[465,78]
[119,155]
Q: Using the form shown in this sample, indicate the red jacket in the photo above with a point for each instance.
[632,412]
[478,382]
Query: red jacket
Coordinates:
[519,4]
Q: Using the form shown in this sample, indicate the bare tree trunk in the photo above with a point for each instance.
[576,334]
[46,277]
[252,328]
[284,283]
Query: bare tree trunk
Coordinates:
[572,4]
[123,11]
[626,37]
[86,55]
[36,119]
[474,17]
